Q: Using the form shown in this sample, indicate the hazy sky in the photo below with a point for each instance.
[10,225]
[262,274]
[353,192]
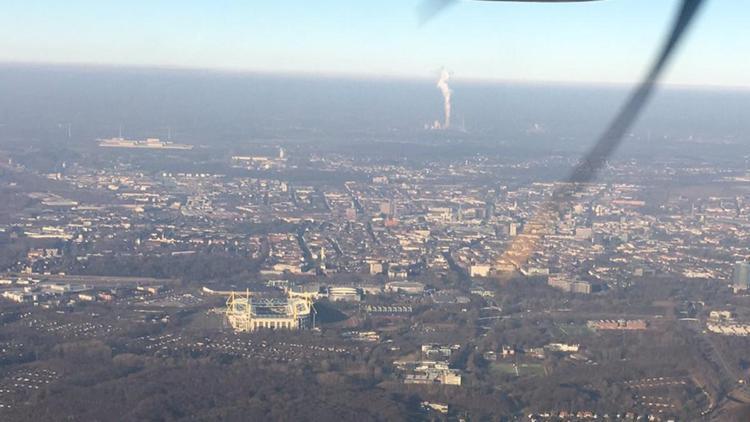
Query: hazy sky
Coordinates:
[609,41]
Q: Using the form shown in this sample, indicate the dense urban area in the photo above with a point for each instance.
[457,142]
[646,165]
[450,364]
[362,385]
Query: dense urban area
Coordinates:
[383,283]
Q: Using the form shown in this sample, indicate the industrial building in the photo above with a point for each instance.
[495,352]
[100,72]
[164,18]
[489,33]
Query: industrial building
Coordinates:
[408,287]
[620,324]
[149,143]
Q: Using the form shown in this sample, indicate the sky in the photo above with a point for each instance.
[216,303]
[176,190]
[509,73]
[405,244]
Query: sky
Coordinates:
[602,42]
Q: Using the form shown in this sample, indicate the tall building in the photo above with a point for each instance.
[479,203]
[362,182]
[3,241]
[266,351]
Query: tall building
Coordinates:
[387,208]
[489,210]
[512,229]
[741,276]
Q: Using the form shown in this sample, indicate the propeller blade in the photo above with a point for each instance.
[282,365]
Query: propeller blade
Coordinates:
[593,161]
[431,8]
[523,246]
[428,9]
[596,157]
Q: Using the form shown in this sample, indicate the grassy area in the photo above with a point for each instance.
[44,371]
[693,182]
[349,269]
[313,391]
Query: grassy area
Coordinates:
[565,331]
[503,368]
[521,369]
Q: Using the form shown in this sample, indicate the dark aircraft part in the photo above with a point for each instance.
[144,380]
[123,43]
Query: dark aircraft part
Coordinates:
[587,168]
[594,160]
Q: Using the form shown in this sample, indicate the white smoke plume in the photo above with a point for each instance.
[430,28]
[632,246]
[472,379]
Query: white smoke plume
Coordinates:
[446,90]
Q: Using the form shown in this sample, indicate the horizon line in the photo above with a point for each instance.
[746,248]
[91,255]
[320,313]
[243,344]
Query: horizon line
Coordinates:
[343,75]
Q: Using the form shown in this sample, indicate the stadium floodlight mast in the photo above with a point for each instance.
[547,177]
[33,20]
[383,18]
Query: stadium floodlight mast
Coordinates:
[590,164]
